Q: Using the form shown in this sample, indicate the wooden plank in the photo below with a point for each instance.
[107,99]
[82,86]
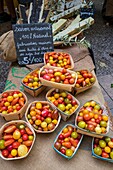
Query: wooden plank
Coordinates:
[74,28]
[67,13]
[58,25]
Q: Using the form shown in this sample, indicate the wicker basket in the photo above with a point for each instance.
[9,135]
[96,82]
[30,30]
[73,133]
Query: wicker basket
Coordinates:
[67,87]
[17,122]
[64,116]
[43,102]
[72,62]
[19,114]
[33,92]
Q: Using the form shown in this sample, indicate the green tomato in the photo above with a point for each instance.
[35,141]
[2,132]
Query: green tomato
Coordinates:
[107,139]
[36,79]
[21,126]
[69,152]
[66,100]
[2,146]
[103,123]
[63,94]
[61,107]
[97,107]
[74,135]
[82,124]
[102,143]
[98,151]
[111,155]
[92,80]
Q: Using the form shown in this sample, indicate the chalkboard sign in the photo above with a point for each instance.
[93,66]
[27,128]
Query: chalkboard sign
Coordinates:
[32,41]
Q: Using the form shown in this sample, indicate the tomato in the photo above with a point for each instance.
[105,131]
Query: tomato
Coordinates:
[22,131]
[39,105]
[105,118]
[72,81]
[2,146]
[69,152]
[92,80]
[61,107]
[97,121]
[79,118]
[85,75]
[107,149]
[16,134]
[5,94]
[74,135]
[82,124]
[15,145]
[111,155]
[105,155]
[102,143]
[61,137]
[25,137]
[98,151]
[97,107]
[10,98]
[14,152]
[86,116]
[90,127]
[103,123]
[90,75]
[62,77]
[5,153]
[57,79]
[107,139]
[67,101]
[63,150]
[10,147]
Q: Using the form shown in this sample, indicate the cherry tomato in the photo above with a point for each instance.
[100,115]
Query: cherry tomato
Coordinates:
[22,131]
[25,137]
[5,153]
[15,145]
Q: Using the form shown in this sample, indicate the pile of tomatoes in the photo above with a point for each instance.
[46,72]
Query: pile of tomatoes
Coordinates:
[103,147]
[16,141]
[32,80]
[42,117]
[58,59]
[11,102]
[90,117]
[67,141]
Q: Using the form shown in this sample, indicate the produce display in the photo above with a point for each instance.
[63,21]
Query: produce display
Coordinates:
[16,141]
[42,117]
[58,59]
[84,78]
[103,148]
[64,101]
[62,76]
[68,141]
[90,118]
[32,80]
[11,102]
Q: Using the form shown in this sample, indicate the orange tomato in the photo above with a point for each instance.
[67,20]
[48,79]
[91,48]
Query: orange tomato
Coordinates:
[85,111]
[91,114]
[96,116]
[105,118]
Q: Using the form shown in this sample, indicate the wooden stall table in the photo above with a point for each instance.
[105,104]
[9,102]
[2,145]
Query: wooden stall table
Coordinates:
[42,156]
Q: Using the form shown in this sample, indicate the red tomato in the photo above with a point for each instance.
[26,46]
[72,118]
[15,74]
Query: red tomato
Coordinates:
[85,75]
[69,97]
[79,118]
[22,131]
[2,103]
[90,75]
[71,81]
[4,99]
[55,103]
[97,121]
[63,150]
[57,79]
[10,110]
[16,145]
[25,137]
[86,116]
[73,102]
[18,107]
[38,117]
[61,137]
[4,108]
[90,127]
[10,156]
[105,155]
[5,153]
[5,95]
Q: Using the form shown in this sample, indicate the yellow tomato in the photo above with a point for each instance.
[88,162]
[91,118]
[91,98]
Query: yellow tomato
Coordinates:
[39,105]
[105,118]
[32,113]
[38,122]
[107,149]
[22,150]
[10,98]
[7,104]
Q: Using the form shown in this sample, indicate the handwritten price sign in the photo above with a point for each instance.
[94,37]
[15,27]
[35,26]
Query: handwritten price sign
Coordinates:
[32,41]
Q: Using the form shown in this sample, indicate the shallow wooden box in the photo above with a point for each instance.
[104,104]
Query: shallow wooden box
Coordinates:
[71,60]
[43,102]
[67,87]
[64,116]
[19,114]
[33,92]
[82,89]
[16,122]
[90,133]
